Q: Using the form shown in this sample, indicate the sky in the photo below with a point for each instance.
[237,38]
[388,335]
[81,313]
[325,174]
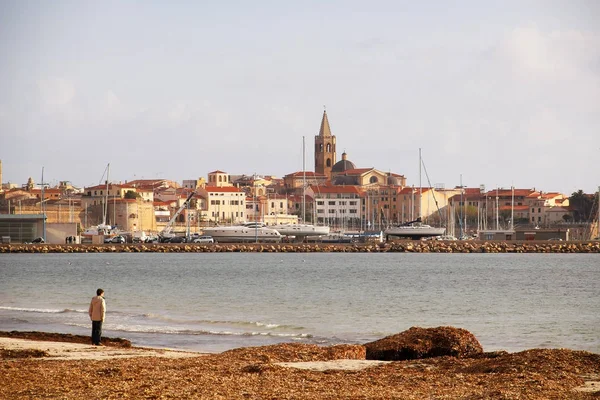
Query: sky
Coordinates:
[494,93]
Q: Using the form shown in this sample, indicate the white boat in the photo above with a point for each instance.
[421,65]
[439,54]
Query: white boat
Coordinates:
[243,233]
[301,230]
[103,228]
[414,230]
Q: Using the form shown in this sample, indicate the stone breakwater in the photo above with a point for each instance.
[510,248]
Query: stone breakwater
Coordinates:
[390,247]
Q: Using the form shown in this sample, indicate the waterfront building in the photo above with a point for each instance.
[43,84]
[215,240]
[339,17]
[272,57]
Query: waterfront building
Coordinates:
[337,206]
[223,204]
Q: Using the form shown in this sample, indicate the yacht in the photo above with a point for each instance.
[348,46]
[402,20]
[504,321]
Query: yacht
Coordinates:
[415,230]
[251,232]
[301,230]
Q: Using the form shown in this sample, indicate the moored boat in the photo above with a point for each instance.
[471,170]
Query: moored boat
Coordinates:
[243,233]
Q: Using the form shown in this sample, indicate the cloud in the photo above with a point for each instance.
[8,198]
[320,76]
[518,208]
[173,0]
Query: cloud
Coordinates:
[561,55]
[56,92]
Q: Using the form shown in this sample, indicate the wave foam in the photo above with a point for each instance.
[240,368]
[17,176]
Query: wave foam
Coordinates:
[43,310]
[182,331]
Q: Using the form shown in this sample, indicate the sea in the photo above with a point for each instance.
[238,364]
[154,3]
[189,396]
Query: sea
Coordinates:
[212,302]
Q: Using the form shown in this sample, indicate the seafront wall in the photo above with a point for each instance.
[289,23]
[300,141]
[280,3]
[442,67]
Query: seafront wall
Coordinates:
[391,247]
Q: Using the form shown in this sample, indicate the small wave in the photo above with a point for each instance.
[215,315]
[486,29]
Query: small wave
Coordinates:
[43,310]
[219,322]
[178,331]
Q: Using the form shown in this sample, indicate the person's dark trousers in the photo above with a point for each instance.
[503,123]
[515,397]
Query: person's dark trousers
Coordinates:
[96,332]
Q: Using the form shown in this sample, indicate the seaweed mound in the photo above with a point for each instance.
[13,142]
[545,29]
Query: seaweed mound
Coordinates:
[417,342]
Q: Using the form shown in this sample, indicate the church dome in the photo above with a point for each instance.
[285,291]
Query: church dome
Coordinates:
[340,180]
[393,181]
[343,165]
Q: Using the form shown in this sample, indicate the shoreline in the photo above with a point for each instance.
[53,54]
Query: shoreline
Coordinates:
[400,246]
[290,371]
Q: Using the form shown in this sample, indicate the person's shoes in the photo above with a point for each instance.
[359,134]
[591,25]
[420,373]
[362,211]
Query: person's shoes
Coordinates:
[99,344]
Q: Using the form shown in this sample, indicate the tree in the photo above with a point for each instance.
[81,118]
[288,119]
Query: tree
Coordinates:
[130,194]
[581,204]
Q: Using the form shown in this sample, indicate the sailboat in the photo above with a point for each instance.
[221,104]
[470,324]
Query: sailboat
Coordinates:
[416,229]
[103,228]
[302,230]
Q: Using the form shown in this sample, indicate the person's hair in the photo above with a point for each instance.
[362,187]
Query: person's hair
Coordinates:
[99,292]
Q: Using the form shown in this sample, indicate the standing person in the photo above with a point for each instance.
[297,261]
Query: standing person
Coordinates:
[97,311]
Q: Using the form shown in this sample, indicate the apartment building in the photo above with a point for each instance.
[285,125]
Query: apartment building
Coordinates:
[224,204]
[337,206]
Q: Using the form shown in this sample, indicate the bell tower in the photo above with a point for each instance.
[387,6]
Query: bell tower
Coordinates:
[324,148]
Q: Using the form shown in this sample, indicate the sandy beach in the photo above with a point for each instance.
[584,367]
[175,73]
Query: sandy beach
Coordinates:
[61,369]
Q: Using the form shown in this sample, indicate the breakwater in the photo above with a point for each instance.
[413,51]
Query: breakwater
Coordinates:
[392,247]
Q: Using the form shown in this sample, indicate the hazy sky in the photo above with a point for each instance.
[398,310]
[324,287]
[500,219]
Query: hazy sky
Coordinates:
[503,92]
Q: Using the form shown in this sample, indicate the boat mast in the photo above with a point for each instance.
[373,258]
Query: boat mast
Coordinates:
[497,211]
[106,196]
[460,217]
[420,187]
[303,182]
[512,209]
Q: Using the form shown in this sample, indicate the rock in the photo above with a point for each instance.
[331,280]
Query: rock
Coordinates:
[418,343]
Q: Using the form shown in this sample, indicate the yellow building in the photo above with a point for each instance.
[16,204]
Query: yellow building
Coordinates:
[224,204]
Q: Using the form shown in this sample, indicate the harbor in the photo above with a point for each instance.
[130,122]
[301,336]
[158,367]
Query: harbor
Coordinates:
[400,246]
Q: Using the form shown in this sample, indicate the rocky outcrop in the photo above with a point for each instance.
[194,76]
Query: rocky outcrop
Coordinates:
[418,343]
[402,246]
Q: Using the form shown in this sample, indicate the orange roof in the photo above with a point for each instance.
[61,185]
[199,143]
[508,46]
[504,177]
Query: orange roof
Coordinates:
[509,192]
[357,171]
[224,189]
[516,208]
[48,190]
[217,172]
[335,189]
[308,173]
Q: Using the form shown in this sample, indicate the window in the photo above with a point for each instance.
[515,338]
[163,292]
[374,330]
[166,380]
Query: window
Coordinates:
[328,162]
[353,203]
[331,211]
[331,203]
[320,203]
[352,211]
[328,148]
[539,210]
[532,210]
[320,211]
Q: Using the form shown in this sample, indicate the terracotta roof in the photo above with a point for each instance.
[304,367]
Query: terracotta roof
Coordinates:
[224,189]
[508,192]
[558,209]
[217,172]
[48,190]
[308,173]
[516,208]
[357,171]
[335,189]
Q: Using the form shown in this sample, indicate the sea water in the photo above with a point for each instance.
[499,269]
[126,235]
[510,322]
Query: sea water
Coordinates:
[212,302]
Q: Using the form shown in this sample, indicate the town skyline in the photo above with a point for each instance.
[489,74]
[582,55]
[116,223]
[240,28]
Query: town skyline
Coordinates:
[502,95]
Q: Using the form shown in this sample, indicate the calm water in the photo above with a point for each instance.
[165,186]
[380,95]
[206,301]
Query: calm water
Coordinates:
[218,301]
